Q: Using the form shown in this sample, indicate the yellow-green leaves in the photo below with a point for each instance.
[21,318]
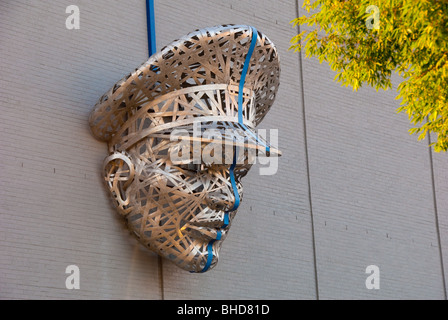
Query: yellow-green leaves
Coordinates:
[412,39]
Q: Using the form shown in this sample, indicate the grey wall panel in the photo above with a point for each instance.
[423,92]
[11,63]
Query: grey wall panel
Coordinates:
[53,208]
[440,170]
[371,193]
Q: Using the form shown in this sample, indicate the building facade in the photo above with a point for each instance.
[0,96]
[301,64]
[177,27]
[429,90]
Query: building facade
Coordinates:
[353,189]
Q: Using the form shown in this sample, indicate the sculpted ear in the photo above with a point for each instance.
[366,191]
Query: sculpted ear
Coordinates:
[118,171]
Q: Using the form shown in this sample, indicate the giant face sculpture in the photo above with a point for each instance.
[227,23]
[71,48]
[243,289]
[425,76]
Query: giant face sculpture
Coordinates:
[180,132]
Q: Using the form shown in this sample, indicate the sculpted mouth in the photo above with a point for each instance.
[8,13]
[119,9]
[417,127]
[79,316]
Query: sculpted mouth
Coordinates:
[210,226]
[202,225]
[206,233]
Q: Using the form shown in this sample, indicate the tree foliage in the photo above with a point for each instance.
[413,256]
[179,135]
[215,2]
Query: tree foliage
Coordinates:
[411,39]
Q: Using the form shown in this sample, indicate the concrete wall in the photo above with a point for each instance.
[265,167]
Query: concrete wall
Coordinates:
[352,189]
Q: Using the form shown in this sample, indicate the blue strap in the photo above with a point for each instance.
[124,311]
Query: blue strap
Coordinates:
[226,220]
[210,251]
[242,83]
[150,24]
[244,73]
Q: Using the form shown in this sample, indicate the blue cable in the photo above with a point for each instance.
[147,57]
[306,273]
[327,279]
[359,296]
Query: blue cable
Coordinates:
[244,73]
[210,251]
[150,24]
[241,86]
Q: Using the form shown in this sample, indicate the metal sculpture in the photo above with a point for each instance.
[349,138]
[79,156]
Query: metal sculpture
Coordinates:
[220,80]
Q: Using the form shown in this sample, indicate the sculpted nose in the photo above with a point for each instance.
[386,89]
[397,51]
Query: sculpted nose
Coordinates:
[220,200]
[226,199]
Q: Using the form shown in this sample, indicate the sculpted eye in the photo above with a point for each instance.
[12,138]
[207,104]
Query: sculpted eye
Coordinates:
[192,168]
[241,171]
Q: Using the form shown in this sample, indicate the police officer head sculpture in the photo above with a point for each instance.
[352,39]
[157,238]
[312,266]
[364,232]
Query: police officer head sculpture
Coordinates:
[175,128]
